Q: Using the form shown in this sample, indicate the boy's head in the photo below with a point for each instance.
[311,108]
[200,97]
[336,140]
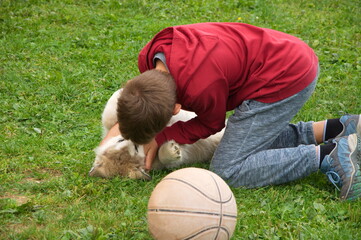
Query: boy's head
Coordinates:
[146,105]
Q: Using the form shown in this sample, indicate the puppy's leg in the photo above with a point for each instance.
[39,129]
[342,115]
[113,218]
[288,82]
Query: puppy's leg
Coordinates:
[169,153]
[139,173]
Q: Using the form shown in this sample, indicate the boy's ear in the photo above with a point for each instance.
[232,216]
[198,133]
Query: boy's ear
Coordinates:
[177,108]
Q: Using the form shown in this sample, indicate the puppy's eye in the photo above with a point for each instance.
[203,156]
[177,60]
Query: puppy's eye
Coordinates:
[136,147]
[120,140]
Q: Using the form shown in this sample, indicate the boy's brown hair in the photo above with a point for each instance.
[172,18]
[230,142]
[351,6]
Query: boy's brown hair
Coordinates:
[146,105]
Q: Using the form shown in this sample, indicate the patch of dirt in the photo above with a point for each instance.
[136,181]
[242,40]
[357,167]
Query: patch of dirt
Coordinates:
[17,227]
[31,179]
[20,200]
[52,172]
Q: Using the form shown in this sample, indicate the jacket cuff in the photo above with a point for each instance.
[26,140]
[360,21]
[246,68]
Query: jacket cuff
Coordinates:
[160,138]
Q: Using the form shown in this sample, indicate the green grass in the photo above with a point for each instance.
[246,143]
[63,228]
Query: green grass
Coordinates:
[60,60]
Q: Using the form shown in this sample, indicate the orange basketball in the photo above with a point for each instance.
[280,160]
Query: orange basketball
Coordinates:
[192,203]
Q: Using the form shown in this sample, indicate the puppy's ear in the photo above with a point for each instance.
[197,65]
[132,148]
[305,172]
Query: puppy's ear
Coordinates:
[139,173]
[112,153]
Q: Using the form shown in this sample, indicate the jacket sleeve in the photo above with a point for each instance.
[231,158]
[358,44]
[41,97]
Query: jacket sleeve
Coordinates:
[210,107]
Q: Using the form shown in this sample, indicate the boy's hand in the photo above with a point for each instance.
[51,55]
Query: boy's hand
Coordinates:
[150,151]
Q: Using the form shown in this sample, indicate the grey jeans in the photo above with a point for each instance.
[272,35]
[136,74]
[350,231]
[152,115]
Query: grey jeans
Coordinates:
[260,147]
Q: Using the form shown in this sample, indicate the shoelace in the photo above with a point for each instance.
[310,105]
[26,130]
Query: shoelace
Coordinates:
[334,178]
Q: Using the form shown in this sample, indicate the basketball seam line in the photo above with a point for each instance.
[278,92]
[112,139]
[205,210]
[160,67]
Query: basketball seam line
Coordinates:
[204,230]
[187,211]
[221,208]
[217,201]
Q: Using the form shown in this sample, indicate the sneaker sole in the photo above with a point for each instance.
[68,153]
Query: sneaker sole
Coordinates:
[353,145]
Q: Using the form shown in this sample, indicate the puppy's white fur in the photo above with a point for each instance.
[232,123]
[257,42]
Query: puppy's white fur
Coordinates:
[120,157]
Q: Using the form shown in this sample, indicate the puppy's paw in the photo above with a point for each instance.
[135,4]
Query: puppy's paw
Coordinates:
[169,152]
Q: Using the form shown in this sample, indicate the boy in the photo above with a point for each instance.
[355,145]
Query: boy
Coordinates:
[265,76]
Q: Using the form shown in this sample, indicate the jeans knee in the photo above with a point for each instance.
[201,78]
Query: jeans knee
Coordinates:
[223,172]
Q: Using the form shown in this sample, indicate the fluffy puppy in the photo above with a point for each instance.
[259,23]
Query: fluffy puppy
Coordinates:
[120,157]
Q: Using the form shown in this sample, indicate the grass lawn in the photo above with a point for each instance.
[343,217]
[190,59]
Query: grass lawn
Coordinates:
[60,60]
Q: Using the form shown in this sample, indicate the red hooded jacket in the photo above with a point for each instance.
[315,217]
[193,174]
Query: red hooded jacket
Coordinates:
[216,66]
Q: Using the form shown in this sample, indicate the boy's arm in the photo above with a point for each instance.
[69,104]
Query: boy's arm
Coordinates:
[190,131]
[210,107]
[114,131]
[150,151]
